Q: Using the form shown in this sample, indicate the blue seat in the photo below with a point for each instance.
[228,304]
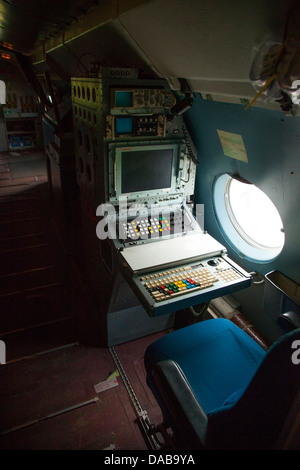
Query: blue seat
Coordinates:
[218,389]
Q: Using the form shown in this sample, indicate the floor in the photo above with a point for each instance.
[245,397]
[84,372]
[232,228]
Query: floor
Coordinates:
[59,389]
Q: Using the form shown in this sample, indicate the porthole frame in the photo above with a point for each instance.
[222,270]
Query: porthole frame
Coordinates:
[242,244]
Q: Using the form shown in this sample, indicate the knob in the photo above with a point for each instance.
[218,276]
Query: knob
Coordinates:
[213,262]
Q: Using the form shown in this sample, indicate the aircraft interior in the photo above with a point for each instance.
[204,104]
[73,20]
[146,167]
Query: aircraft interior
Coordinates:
[149,227]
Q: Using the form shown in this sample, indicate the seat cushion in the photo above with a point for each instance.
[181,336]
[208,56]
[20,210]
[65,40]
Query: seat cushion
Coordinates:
[234,397]
[216,356]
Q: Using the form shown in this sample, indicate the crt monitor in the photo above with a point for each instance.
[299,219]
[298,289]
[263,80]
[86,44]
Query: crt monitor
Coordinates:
[145,170]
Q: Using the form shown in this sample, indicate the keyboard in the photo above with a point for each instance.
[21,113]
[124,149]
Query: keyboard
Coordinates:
[166,285]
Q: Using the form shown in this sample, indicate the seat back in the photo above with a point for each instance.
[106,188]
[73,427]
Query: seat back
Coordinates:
[257,419]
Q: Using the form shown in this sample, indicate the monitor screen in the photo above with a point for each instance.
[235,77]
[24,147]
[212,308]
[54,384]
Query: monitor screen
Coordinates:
[123,99]
[145,170]
[124,126]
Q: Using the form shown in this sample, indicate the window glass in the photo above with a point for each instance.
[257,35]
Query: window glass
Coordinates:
[253,215]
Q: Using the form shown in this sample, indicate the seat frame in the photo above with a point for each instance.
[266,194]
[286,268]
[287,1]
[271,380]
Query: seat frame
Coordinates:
[186,425]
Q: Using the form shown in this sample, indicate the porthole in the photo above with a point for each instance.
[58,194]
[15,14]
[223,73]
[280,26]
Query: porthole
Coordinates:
[248,219]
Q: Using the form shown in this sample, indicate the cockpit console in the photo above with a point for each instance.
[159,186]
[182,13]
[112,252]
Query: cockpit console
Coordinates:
[148,173]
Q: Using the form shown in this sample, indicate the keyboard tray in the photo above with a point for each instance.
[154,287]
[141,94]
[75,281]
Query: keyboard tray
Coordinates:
[190,284]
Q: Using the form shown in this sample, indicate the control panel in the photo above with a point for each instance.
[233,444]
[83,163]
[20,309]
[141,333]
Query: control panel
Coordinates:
[177,272]
[134,156]
[135,126]
[189,284]
[128,99]
[118,72]
[155,226]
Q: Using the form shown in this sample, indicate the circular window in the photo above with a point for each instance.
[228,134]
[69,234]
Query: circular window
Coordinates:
[248,218]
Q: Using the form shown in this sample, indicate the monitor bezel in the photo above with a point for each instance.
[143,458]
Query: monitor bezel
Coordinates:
[119,150]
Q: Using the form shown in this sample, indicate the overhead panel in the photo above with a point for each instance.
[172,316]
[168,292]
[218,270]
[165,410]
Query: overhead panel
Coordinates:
[211,44]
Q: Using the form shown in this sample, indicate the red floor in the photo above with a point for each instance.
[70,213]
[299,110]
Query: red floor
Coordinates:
[49,402]
[47,395]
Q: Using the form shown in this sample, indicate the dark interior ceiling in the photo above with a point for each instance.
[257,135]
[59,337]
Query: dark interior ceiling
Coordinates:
[27,24]
[211,44]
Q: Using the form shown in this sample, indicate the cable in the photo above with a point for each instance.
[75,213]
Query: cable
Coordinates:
[189,146]
[141,414]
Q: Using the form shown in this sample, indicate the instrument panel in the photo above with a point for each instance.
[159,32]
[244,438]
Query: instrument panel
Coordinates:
[164,291]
